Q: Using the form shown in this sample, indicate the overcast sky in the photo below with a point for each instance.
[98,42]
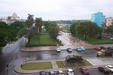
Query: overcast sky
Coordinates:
[56,9]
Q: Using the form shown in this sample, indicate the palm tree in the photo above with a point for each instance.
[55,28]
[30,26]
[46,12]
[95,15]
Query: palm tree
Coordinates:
[38,24]
[29,22]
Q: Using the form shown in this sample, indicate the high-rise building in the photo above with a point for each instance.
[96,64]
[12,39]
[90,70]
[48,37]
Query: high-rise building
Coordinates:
[109,21]
[98,18]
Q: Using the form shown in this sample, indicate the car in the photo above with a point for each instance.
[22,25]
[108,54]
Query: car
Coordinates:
[98,48]
[69,50]
[103,69]
[60,72]
[102,47]
[79,49]
[42,73]
[58,50]
[109,67]
[84,70]
[110,48]
[51,73]
[70,72]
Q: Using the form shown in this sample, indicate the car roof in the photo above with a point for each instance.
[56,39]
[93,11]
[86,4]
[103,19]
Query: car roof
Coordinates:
[109,65]
[70,69]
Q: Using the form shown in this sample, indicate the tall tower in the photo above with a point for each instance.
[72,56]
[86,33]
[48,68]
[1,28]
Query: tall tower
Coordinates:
[98,18]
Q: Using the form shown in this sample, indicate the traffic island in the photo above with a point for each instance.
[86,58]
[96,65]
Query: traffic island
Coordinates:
[61,64]
[36,66]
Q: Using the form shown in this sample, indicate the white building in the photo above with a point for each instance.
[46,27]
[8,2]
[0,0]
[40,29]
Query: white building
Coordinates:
[109,21]
[11,19]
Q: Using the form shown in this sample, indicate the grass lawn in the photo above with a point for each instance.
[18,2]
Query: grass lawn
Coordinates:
[101,41]
[37,66]
[61,64]
[45,40]
[67,31]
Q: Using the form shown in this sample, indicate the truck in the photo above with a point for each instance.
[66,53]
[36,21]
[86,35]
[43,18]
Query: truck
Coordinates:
[104,52]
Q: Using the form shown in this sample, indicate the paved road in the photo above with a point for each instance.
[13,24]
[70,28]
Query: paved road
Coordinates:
[94,72]
[11,57]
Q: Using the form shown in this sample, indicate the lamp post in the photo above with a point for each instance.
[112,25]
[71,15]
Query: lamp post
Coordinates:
[7,68]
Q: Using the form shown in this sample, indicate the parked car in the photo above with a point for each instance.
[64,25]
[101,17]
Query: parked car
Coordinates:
[79,49]
[58,50]
[51,73]
[42,73]
[60,72]
[70,72]
[69,50]
[109,67]
[105,70]
[98,48]
[84,70]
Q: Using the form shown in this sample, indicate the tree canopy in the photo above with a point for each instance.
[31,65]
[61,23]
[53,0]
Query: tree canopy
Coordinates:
[109,30]
[85,30]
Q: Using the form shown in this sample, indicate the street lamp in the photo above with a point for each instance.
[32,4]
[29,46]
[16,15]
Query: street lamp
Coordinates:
[7,68]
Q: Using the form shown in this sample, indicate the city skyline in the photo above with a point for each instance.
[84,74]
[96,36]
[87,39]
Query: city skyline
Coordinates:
[56,9]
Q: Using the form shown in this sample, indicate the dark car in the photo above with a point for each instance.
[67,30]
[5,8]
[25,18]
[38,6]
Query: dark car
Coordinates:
[51,73]
[42,73]
[84,70]
[69,50]
[110,48]
[105,70]
[102,47]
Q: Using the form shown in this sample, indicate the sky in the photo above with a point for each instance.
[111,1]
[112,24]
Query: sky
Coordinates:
[56,9]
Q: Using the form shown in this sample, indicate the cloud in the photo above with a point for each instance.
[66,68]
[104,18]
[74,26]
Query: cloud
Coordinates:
[56,9]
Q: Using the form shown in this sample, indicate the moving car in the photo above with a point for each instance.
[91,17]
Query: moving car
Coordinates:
[70,72]
[104,53]
[69,50]
[79,49]
[98,48]
[42,73]
[102,47]
[84,70]
[105,70]
[109,67]
[58,50]
[51,73]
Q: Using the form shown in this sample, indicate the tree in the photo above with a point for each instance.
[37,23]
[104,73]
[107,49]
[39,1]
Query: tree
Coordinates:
[86,30]
[109,30]
[29,22]
[72,59]
[53,30]
[7,34]
[38,24]
[17,25]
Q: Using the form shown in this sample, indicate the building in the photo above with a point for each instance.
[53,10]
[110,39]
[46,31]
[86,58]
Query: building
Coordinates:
[98,18]
[11,19]
[109,21]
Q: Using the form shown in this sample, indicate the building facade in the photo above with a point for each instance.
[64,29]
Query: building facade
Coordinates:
[98,18]
[109,21]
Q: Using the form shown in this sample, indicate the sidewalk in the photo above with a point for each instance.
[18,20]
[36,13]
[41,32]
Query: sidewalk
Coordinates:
[18,69]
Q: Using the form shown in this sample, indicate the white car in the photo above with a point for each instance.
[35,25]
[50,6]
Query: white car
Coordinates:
[58,50]
[70,72]
[109,67]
